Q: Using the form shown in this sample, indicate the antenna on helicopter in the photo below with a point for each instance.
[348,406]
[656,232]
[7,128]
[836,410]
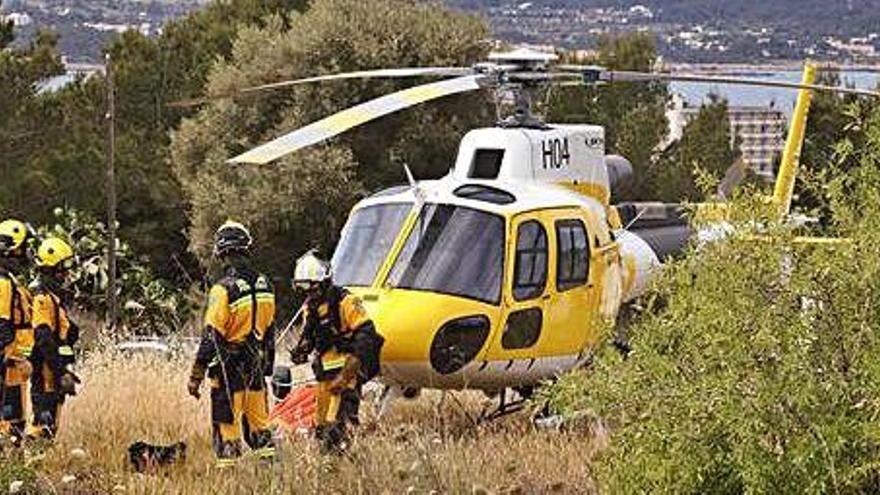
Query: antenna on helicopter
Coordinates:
[414,185]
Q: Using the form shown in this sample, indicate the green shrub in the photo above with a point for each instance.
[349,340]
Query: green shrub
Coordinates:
[17,474]
[147,305]
[756,362]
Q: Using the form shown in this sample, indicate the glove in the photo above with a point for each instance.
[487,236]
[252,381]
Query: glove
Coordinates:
[67,383]
[346,376]
[196,376]
[193,387]
[338,385]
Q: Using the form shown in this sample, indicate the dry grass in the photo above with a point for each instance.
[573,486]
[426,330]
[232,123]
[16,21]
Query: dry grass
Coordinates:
[422,446]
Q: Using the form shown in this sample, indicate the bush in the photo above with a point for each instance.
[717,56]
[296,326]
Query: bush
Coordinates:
[17,476]
[755,367]
[147,304]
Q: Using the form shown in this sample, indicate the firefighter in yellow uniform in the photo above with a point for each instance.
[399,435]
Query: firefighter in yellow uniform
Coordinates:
[55,334]
[346,350]
[16,334]
[237,350]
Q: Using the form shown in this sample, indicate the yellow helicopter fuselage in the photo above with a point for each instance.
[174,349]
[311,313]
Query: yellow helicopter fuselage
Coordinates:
[479,284]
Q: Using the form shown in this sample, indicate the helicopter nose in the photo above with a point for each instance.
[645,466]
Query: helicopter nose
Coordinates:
[428,336]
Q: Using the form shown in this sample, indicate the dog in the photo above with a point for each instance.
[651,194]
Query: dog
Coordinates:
[147,458]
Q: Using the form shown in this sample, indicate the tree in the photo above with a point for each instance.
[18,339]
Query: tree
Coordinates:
[633,114]
[833,119]
[23,129]
[303,198]
[53,144]
[150,73]
[706,146]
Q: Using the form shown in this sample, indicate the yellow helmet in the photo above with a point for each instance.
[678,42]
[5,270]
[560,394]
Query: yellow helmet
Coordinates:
[55,253]
[13,235]
[310,270]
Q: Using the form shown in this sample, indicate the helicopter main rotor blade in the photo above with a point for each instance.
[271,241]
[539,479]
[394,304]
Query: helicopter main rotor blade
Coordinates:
[363,74]
[597,74]
[745,81]
[357,115]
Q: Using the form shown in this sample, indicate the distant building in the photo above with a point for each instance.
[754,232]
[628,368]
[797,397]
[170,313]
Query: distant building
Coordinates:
[72,73]
[761,133]
[18,19]
[759,130]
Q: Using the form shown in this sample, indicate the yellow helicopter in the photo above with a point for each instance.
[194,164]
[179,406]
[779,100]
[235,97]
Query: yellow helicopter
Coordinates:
[504,273]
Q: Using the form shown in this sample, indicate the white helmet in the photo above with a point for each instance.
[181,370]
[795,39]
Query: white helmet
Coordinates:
[310,270]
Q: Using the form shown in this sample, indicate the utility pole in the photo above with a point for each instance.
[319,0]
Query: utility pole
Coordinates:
[111,194]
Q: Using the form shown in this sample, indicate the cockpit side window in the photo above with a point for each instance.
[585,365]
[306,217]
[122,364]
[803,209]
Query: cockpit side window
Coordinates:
[366,242]
[530,268]
[453,250]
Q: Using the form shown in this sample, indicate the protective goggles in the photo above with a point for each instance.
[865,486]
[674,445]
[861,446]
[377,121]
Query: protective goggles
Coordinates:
[305,286]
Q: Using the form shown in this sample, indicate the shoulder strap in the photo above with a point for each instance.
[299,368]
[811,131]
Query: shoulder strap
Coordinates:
[13,297]
[57,305]
[336,296]
[251,291]
[254,308]
[15,301]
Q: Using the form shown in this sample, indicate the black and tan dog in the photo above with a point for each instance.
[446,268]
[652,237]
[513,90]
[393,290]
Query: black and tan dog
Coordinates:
[147,458]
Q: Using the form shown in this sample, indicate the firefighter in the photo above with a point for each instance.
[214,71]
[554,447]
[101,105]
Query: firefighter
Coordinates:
[16,333]
[346,350]
[237,350]
[55,334]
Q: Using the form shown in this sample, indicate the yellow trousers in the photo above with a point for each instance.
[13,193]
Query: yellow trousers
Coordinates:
[327,403]
[47,404]
[16,403]
[249,418]
[334,412]
[250,406]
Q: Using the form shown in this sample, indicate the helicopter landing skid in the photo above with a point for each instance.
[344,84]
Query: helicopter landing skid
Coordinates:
[505,406]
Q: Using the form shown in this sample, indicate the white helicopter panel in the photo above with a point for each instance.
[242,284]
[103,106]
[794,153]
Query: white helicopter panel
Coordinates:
[558,154]
[569,154]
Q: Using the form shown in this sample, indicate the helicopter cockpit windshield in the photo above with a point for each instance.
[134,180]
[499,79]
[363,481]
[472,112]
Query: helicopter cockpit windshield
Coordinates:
[453,250]
[366,242]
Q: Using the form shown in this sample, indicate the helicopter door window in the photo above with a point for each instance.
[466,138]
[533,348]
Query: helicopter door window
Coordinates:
[530,268]
[572,260]
[486,164]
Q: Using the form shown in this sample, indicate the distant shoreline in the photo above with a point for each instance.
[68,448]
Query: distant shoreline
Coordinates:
[741,69]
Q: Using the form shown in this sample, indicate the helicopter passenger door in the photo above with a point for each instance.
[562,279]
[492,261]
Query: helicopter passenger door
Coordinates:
[575,284]
[523,316]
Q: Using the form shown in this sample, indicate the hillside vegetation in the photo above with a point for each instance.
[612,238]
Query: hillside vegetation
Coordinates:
[755,367]
[799,16]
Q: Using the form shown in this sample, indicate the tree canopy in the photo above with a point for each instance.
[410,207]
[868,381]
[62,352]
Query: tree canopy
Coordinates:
[706,147]
[754,366]
[633,114]
[302,200]
[54,144]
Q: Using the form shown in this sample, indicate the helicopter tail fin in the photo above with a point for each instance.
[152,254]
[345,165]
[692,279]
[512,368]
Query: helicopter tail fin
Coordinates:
[788,168]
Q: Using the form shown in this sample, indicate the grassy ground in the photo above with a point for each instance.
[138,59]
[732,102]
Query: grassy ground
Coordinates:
[422,446]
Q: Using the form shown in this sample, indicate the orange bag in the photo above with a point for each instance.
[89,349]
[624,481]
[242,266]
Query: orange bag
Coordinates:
[297,410]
